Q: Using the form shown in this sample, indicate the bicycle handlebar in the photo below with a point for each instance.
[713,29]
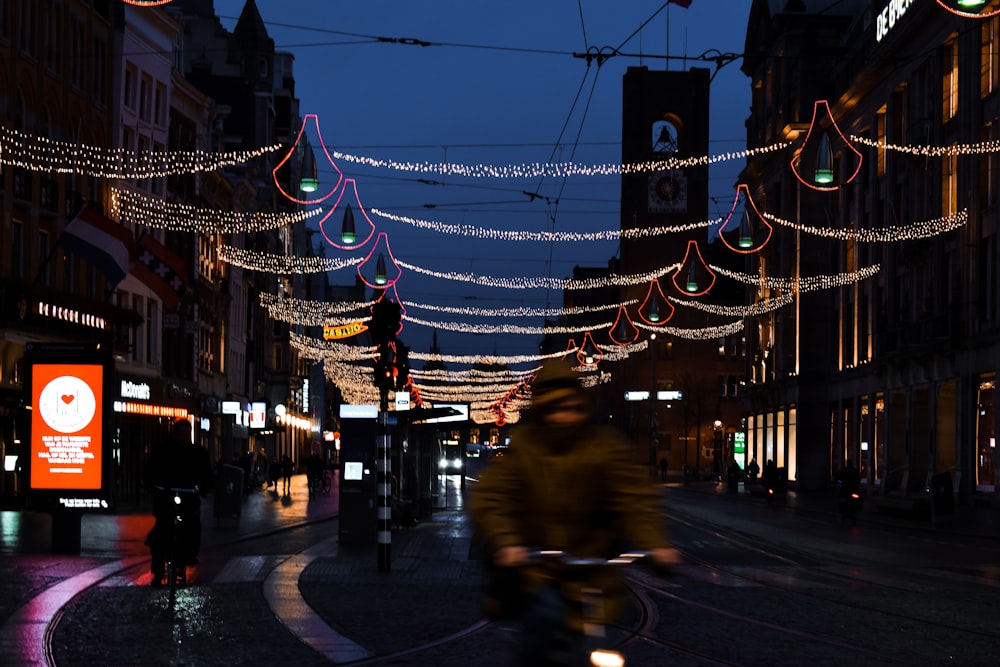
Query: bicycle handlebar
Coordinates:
[177,490]
[579,561]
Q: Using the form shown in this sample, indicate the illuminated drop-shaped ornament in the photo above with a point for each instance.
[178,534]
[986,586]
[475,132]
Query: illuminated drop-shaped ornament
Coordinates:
[824,161]
[817,151]
[382,277]
[753,231]
[302,153]
[971,9]
[655,310]
[699,277]
[571,348]
[348,238]
[348,233]
[623,332]
[310,173]
[589,353]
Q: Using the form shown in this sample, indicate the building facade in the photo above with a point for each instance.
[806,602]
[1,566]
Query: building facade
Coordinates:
[887,354]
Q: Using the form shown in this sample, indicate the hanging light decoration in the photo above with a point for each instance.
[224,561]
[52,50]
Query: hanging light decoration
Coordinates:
[972,9]
[699,278]
[589,353]
[817,148]
[753,231]
[301,154]
[348,234]
[824,161]
[347,239]
[381,277]
[309,182]
[655,310]
[623,331]
[571,347]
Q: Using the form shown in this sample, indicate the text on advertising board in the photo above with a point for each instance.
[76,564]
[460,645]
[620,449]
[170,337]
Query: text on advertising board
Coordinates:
[67,426]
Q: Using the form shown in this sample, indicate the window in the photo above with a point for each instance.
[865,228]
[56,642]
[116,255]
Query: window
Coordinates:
[44,272]
[99,83]
[160,105]
[128,94]
[76,56]
[277,356]
[880,137]
[26,9]
[17,249]
[989,167]
[138,333]
[53,39]
[989,56]
[145,98]
[949,185]
[152,327]
[949,79]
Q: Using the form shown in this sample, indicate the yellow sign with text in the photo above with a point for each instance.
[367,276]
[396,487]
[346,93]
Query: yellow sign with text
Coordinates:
[344,331]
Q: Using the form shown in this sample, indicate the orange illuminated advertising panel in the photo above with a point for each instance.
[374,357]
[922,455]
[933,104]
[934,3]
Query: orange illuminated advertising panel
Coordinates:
[67,426]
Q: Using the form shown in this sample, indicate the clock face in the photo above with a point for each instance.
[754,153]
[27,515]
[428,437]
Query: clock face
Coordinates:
[668,192]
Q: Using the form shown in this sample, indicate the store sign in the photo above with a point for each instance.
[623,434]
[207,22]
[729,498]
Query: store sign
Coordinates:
[67,390]
[135,390]
[343,331]
[887,18]
[258,415]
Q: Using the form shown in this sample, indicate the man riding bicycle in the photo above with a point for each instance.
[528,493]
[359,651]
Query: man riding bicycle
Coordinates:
[177,462]
[566,484]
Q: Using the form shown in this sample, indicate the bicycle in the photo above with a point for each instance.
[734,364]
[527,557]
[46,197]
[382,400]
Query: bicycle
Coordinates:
[176,558]
[592,607]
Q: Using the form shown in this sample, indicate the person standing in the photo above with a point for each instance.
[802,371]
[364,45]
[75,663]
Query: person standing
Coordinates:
[177,462]
[566,484]
[287,468]
[314,472]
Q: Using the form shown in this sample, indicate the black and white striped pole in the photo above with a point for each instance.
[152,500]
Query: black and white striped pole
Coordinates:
[383,481]
[384,325]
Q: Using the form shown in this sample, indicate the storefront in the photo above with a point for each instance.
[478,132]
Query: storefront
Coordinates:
[144,409]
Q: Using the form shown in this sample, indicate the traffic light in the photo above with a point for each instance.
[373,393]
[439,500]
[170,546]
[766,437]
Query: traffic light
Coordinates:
[402,365]
[385,322]
[384,367]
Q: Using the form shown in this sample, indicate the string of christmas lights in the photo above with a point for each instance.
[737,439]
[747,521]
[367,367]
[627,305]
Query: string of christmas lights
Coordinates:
[759,308]
[309,312]
[473,231]
[916,230]
[932,151]
[807,284]
[550,283]
[706,333]
[552,169]
[521,311]
[35,153]
[462,327]
[282,264]
[139,208]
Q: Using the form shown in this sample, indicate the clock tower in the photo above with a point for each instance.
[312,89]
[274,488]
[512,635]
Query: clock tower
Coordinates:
[665,121]
[664,117]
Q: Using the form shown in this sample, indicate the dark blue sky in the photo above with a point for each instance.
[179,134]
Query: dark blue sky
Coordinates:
[499,85]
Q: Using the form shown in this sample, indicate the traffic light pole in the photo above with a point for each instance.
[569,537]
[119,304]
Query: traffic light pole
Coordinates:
[383,481]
